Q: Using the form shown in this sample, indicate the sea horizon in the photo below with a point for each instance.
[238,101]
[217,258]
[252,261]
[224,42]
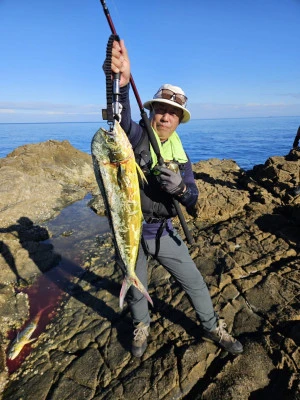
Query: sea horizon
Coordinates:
[248,141]
[192,119]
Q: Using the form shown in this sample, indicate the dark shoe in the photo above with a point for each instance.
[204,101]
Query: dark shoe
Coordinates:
[296,190]
[223,338]
[139,343]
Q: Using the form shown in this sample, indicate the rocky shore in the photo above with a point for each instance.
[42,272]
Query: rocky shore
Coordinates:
[246,231]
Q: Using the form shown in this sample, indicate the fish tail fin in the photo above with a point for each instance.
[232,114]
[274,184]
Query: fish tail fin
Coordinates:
[141,173]
[124,289]
[133,280]
[39,313]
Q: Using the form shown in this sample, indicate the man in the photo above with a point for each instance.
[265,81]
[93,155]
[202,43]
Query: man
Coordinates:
[296,147]
[160,240]
[296,140]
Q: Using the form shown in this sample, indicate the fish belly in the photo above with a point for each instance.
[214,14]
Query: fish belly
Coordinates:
[116,174]
[122,193]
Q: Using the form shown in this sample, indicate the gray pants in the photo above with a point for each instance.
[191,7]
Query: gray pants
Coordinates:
[174,256]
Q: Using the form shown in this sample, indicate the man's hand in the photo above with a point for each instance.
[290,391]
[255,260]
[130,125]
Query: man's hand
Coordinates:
[170,181]
[120,62]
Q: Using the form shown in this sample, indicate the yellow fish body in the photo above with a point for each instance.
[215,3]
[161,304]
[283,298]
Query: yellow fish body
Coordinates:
[116,174]
[24,337]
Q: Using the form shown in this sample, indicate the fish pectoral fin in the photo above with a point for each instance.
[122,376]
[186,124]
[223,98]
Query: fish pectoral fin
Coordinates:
[30,340]
[141,173]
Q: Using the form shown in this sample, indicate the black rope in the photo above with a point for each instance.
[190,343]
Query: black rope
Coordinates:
[108,113]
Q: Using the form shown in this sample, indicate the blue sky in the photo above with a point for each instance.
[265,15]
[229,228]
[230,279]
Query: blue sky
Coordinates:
[233,58]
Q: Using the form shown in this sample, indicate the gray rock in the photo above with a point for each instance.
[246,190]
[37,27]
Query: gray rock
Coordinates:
[246,231]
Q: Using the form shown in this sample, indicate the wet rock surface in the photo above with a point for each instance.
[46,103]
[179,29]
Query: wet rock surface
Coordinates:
[246,231]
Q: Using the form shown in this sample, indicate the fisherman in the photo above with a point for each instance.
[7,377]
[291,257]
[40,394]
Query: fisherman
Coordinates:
[296,140]
[296,190]
[160,240]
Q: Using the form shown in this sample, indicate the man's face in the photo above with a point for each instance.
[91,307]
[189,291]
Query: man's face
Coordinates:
[165,119]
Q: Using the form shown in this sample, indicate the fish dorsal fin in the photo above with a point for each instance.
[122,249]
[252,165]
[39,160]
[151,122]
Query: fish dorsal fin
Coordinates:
[141,173]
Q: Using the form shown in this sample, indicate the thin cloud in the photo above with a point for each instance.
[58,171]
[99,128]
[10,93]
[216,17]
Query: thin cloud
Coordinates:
[49,108]
[293,95]
[218,110]
[264,105]
[71,113]
[7,111]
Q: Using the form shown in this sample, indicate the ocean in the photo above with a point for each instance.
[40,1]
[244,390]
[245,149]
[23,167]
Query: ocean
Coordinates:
[248,141]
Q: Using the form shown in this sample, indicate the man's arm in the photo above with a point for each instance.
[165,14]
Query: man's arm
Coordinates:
[190,196]
[132,129]
[181,186]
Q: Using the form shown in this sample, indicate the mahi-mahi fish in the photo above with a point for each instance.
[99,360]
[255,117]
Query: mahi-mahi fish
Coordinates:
[24,337]
[117,176]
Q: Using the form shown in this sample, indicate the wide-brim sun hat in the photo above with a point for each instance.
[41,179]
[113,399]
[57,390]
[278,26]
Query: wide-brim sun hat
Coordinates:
[172,95]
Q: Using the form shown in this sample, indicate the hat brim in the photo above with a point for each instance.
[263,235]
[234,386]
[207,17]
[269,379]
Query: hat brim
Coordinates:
[186,114]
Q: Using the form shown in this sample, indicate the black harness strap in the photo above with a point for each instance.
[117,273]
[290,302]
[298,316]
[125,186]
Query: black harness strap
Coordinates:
[158,236]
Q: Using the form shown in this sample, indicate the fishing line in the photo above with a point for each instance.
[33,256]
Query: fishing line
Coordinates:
[119,18]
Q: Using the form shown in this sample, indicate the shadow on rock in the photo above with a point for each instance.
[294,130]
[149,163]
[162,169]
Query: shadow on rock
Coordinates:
[29,235]
[213,181]
[10,261]
[277,389]
[290,329]
[176,316]
[55,268]
[63,275]
[280,226]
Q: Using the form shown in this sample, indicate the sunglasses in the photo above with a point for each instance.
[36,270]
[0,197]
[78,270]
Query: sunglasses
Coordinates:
[168,94]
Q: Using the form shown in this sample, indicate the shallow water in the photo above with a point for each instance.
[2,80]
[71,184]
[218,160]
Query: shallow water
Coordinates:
[74,233]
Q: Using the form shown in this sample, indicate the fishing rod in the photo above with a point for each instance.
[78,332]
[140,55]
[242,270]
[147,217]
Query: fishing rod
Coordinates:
[150,133]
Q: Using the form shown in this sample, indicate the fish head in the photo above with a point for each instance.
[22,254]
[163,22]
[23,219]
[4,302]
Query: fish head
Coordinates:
[17,347]
[112,145]
[15,350]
